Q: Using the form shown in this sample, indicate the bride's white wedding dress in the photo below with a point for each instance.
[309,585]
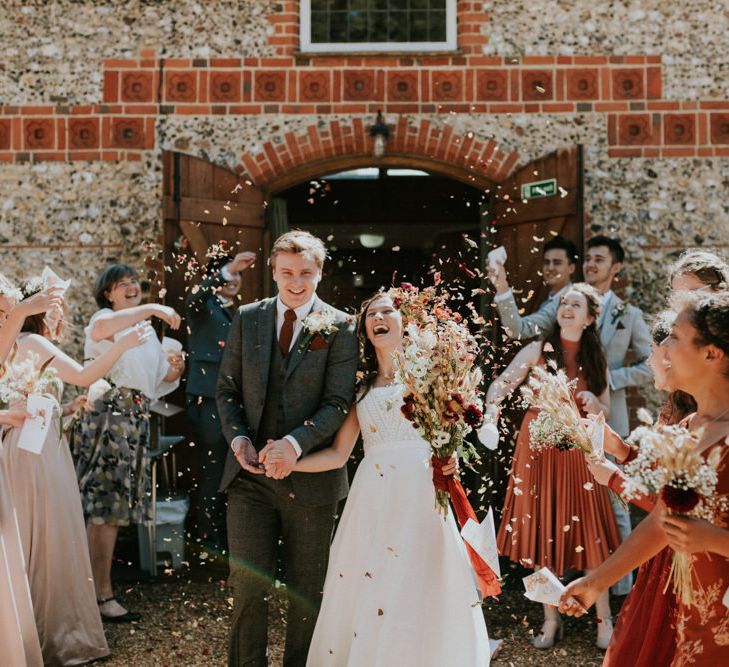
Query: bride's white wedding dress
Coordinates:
[399,590]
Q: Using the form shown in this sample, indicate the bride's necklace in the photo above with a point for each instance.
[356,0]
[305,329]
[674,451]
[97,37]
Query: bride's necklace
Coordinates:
[389,379]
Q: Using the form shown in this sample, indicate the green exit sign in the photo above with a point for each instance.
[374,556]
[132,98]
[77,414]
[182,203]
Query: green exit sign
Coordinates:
[538,189]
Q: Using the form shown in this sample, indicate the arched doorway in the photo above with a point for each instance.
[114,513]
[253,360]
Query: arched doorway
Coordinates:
[403,213]
[204,202]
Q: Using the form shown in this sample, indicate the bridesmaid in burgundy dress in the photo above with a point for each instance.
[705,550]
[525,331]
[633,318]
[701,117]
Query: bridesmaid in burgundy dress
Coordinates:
[697,356]
[547,488]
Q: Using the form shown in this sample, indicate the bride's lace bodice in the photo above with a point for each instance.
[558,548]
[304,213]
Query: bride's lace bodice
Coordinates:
[382,422]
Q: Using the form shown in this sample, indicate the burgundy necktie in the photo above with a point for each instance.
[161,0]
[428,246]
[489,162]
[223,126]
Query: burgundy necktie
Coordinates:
[287,331]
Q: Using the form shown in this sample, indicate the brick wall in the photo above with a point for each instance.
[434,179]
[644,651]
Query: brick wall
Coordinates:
[138,92]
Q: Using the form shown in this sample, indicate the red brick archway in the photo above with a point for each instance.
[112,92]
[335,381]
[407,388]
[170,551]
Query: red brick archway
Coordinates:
[339,145]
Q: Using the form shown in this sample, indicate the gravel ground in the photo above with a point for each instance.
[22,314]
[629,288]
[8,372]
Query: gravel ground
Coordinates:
[186,615]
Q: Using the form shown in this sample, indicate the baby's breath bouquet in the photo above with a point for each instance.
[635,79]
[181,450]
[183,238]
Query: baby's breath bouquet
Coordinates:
[669,466]
[437,366]
[559,423]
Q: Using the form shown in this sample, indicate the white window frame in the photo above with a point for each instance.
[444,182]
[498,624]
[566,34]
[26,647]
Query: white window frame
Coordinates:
[306,46]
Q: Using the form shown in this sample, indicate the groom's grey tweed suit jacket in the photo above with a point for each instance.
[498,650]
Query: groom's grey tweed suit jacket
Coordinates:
[315,391]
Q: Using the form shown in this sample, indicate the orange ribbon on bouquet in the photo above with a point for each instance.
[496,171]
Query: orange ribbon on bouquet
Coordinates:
[487,580]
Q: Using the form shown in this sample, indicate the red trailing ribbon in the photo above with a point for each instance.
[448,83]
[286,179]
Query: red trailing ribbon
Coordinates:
[487,581]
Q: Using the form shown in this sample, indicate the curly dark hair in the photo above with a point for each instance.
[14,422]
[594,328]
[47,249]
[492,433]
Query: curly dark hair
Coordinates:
[590,357]
[709,315]
[368,367]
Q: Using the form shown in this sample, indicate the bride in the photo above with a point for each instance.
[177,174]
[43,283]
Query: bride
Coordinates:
[399,587]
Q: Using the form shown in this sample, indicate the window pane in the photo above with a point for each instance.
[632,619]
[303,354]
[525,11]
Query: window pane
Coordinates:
[378,21]
[358,26]
[378,26]
[319,27]
[418,27]
[398,26]
[437,26]
[338,27]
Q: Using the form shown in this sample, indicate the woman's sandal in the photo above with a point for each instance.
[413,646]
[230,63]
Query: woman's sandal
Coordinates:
[129,617]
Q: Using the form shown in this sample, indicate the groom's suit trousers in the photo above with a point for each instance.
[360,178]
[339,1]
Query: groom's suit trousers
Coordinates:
[260,511]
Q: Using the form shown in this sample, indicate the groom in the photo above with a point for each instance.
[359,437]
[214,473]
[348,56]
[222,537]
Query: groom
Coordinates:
[286,382]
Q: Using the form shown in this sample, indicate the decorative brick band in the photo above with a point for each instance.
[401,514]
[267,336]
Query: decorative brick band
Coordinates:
[136,91]
[483,84]
[479,156]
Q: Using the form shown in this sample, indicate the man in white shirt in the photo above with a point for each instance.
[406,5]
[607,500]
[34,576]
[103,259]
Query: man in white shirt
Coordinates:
[558,265]
[622,329]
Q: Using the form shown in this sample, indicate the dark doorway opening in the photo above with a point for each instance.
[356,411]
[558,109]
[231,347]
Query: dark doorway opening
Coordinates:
[387,225]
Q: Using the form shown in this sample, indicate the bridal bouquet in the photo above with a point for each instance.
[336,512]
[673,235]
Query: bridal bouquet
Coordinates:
[437,366]
[669,466]
[559,423]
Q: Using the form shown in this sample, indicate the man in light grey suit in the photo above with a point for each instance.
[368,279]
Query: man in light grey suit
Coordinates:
[286,382]
[622,328]
[559,262]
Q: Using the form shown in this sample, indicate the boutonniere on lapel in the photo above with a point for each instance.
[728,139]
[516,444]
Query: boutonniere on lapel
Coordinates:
[617,312]
[317,325]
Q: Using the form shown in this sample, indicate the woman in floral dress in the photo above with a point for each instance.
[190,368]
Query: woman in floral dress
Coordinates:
[110,441]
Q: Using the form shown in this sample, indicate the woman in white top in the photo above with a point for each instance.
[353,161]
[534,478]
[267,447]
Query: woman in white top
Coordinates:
[41,485]
[111,439]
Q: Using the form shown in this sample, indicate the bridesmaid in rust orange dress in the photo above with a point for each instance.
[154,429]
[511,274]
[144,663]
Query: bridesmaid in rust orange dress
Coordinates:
[553,516]
[651,607]
[697,356]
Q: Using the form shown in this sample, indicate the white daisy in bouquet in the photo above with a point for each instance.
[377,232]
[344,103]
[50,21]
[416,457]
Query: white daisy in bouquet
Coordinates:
[669,466]
[438,368]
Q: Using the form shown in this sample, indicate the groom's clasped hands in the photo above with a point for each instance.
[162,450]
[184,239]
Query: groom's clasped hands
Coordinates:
[276,460]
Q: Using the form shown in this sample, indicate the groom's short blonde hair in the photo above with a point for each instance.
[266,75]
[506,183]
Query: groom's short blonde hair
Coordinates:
[299,242]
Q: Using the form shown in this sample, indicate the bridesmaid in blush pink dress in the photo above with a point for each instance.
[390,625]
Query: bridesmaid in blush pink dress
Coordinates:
[41,488]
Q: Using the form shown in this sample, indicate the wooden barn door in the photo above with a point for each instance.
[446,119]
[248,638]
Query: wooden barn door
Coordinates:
[204,204]
[522,227]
